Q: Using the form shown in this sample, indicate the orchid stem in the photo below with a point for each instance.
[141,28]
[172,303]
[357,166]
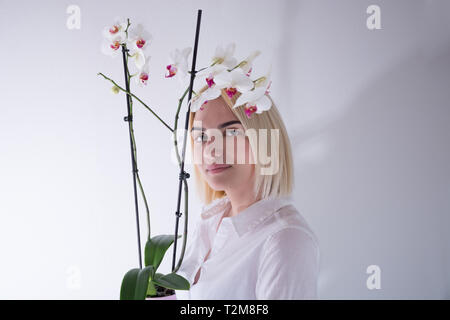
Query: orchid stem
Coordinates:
[131,94]
[183,175]
[175,138]
[186,190]
[135,151]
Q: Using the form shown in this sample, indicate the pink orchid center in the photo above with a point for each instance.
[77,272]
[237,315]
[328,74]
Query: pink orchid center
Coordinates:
[172,70]
[210,81]
[143,77]
[114,29]
[202,108]
[231,92]
[115,45]
[140,43]
[248,73]
[249,110]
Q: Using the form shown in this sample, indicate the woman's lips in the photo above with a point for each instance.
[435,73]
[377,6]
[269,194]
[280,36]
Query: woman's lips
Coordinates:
[218,169]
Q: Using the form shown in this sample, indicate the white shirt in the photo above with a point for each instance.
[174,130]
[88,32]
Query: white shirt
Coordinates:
[266,251]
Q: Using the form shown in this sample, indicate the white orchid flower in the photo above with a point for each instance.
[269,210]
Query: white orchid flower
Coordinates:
[225,56]
[142,75]
[213,91]
[118,27]
[139,59]
[265,81]
[137,42]
[114,36]
[139,38]
[233,81]
[247,64]
[210,73]
[112,46]
[256,99]
[179,63]
[199,100]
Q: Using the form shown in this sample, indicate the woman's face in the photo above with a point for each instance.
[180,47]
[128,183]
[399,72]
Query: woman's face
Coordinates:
[221,149]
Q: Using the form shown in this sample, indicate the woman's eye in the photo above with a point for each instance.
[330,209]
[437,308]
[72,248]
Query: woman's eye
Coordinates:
[233,132]
[201,138]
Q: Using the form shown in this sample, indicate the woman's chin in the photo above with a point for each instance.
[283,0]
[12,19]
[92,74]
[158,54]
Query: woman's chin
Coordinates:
[220,181]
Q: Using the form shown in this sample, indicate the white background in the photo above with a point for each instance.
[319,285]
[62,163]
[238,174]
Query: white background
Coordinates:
[367,112]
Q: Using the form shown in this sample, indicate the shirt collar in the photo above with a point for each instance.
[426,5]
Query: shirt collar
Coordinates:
[250,217]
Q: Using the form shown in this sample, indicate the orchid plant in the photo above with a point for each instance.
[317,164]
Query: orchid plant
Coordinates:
[223,73]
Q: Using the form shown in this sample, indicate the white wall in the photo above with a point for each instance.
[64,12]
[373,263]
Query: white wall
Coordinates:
[367,111]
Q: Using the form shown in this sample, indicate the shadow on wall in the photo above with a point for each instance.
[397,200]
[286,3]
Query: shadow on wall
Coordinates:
[380,195]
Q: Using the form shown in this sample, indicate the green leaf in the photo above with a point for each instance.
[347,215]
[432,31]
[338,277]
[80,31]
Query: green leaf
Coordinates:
[156,248]
[128,287]
[151,291]
[172,281]
[142,282]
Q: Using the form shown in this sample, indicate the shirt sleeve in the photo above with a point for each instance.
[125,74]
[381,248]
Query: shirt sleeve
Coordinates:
[289,266]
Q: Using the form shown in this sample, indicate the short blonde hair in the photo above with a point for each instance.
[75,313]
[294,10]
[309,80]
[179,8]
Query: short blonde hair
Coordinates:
[276,185]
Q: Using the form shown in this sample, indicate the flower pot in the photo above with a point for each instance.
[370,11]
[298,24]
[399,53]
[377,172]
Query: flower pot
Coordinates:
[171,297]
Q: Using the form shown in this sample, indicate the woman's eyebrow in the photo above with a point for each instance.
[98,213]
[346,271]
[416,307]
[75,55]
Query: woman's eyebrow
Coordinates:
[223,125]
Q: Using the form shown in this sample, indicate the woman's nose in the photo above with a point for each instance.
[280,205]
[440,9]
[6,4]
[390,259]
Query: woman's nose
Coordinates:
[213,151]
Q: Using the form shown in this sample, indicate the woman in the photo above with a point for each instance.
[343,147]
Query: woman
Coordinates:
[250,242]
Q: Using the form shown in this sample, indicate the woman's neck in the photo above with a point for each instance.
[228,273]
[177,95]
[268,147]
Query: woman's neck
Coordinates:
[239,202]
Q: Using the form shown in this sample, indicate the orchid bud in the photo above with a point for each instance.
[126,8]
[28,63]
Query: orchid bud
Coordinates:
[115,89]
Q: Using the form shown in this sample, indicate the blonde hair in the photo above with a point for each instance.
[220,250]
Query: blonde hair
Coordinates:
[275,185]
